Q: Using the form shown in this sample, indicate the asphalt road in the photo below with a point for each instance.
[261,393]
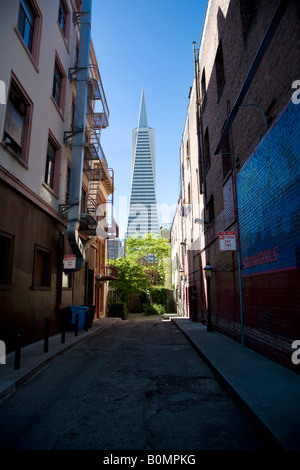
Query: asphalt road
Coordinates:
[138,385]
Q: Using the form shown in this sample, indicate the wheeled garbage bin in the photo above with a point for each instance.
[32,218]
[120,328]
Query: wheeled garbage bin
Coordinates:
[82,316]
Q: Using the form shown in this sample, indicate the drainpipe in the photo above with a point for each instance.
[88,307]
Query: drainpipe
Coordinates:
[79,135]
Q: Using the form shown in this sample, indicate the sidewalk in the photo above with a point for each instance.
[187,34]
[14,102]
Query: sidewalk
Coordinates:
[269,391]
[33,357]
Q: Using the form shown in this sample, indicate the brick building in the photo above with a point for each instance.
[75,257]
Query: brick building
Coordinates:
[248,167]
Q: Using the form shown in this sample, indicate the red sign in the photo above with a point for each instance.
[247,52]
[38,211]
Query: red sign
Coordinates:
[227,241]
[69,261]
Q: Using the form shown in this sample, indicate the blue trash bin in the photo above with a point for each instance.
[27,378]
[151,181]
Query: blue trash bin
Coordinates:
[82,312]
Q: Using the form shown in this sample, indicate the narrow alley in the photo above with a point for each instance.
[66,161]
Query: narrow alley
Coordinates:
[138,385]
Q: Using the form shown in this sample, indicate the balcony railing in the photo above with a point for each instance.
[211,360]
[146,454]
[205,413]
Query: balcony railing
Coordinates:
[110,274]
[95,89]
[95,164]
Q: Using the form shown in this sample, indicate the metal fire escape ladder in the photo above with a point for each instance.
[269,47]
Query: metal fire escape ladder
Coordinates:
[94,162]
[79,135]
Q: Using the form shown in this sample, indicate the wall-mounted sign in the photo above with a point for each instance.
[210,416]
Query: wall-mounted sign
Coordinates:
[69,261]
[227,241]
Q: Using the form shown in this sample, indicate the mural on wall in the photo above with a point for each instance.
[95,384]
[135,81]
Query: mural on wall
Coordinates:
[268,190]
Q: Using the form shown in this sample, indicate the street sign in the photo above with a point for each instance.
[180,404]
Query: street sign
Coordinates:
[227,241]
[69,261]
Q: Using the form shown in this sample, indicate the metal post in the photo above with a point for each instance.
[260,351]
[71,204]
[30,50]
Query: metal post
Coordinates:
[87,316]
[235,202]
[241,296]
[18,350]
[46,335]
[76,324]
[63,327]
[238,244]
[209,324]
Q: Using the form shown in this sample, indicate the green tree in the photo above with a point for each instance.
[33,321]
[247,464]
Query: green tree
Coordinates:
[131,278]
[151,251]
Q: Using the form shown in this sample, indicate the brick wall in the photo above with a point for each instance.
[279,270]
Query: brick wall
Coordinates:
[268,189]
[271,295]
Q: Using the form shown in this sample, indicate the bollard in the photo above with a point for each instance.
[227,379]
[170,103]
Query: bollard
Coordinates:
[18,350]
[86,323]
[63,327]
[46,335]
[63,331]
[76,324]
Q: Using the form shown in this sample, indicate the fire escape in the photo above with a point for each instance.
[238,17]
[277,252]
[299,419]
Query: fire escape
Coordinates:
[95,165]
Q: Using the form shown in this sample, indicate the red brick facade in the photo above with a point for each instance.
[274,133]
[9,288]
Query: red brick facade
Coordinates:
[232,35]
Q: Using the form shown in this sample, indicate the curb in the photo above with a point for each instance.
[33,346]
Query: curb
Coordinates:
[16,378]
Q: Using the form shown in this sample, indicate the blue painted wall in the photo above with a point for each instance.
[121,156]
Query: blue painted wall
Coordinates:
[268,191]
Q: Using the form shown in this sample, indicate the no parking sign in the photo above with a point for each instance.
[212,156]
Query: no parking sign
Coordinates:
[227,241]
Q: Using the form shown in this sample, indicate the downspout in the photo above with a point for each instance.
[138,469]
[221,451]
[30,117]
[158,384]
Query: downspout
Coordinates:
[79,135]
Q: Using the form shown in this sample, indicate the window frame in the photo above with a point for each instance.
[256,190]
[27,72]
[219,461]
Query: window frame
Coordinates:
[248,11]
[34,51]
[226,158]
[11,238]
[57,159]
[220,71]
[45,251]
[203,88]
[63,84]
[65,31]
[62,13]
[206,150]
[27,119]
[210,207]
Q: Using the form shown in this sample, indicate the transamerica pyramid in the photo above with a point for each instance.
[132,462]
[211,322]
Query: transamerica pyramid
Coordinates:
[143,216]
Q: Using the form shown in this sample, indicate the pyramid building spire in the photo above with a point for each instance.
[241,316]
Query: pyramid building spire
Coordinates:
[143,119]
[143,212]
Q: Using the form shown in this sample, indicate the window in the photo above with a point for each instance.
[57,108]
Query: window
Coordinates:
[220,70]
[206,150]
[26,23]
[187,149]
[52,163]
[64,21]
[62,15]
[210,209]
[248,11]
[42,268]
[203,88]
[17,121]
[226,159]
[29,27]
[59,86]
[83,201]
[6,252]
[68,184]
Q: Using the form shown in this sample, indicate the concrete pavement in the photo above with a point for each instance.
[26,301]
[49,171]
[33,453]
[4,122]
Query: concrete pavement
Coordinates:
[270,392]
[33,358]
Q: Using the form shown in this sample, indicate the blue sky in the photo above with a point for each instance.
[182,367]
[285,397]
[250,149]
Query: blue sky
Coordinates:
[147,45]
